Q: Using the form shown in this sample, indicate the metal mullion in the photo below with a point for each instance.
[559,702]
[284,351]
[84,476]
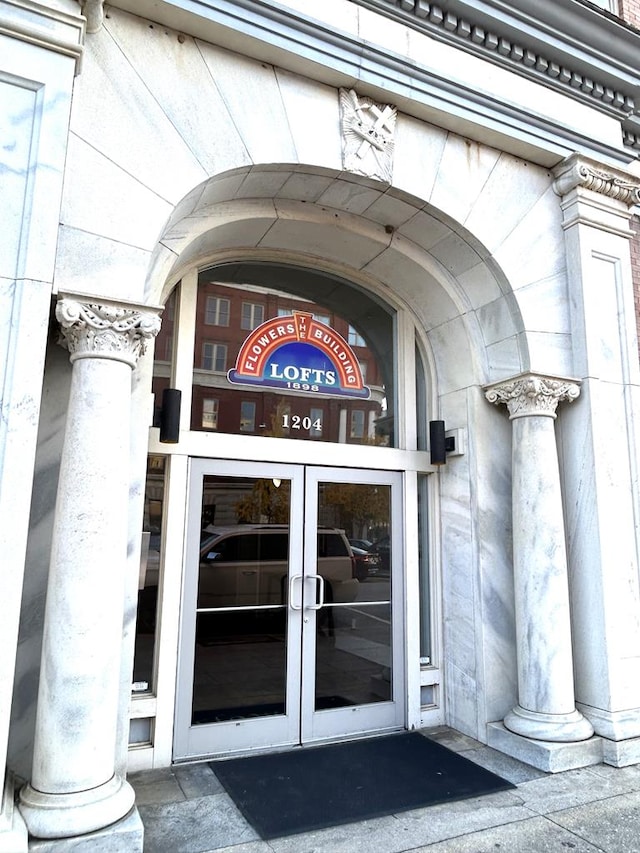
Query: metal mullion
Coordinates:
[240,608]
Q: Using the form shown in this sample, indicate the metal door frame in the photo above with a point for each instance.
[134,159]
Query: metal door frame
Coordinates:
[301,723]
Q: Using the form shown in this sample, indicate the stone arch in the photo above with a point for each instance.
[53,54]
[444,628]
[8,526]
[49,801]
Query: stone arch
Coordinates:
[404,250]
[226,128]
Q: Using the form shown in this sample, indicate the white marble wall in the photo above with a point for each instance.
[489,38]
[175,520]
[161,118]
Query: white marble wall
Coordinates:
[36,79]
[55,396]
[192,152]
[477,574]
[600,450]
[464,217]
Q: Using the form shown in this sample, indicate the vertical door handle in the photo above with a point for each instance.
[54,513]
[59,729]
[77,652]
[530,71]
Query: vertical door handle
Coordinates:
[292,579]
[319,592]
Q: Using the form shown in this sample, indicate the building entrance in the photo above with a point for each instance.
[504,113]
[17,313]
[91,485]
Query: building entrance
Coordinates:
[292,614]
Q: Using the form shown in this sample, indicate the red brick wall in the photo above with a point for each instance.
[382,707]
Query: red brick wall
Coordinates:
[635,268]
[629,10]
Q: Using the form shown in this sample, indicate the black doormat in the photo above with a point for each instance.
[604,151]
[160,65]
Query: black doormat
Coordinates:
[313,788]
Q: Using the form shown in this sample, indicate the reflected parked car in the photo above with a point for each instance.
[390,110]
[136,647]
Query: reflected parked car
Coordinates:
[382,548]
[247,565]
[363,544]
[366,563]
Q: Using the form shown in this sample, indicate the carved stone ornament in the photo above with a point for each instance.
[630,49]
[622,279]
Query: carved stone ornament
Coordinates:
[576,172]
[532,394]
[109,331]
[367,136]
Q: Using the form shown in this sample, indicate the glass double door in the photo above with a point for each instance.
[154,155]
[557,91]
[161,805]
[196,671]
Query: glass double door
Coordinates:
[292,607]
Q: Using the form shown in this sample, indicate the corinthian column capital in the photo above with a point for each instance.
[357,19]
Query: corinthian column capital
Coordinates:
[532,394]
[108,330]
[577,171]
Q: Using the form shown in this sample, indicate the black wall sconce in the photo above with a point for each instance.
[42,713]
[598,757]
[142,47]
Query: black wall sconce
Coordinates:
[439,443]
[170,416]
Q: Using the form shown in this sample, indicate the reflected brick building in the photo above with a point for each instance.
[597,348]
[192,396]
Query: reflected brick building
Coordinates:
[226,315]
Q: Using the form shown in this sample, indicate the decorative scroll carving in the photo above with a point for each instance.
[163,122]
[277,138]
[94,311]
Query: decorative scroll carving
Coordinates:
[93,10]
[118,332]
[578,173]
[367,136]
[532,394]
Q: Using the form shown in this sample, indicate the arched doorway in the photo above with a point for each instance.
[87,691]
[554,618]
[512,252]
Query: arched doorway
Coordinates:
[413,313]
[297,494]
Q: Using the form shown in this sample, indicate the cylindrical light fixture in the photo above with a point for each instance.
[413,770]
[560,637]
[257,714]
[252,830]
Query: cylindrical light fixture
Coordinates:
[170,416]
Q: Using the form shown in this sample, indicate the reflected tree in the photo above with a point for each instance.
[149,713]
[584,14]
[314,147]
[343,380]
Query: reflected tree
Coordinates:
[266,503]
[357,508]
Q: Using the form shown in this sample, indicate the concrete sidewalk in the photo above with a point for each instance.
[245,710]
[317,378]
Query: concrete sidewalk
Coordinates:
[185,810]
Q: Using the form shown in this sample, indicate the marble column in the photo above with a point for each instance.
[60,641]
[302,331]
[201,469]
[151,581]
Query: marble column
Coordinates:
[74,788]
[546,704]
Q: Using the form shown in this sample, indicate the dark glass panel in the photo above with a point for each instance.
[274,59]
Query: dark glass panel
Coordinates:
[354,649]
[240,649]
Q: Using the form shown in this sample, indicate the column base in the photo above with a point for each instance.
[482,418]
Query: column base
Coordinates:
[545,755]
[68,815]
[13,832]
[125,836]
[619,753]
[615,725]
[556,728]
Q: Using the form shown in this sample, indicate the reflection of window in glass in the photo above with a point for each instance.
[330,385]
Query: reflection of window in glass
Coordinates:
[216,311]
[252,315]
[421,401]
[355,339]
[210,414]
[357,423]
[343,308]
[164,342]
[149,577]
[168,350]
[247,416]
[423,571]
[316,423]
[214,357]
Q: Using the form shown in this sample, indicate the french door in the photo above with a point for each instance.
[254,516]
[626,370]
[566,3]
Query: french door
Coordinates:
[291,625]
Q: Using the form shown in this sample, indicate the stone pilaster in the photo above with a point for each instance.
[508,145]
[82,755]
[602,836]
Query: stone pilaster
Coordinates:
[600,465]
[74,788]
[546,708]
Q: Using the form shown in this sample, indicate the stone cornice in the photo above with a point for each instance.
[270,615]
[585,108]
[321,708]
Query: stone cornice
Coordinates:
[98,328]
[578,172]
[294,40]
[566,44]
[43,26]
[532,394]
